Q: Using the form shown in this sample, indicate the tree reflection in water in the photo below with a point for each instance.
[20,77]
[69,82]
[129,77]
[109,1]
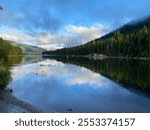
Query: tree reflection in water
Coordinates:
[5,67]
[129,73]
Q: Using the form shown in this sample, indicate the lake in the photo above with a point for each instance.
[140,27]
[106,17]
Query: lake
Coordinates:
[82,85]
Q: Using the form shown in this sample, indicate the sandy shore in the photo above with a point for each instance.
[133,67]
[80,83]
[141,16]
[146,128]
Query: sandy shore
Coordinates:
[11,104]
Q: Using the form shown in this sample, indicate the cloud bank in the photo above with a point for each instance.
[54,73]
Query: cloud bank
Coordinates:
[71,36]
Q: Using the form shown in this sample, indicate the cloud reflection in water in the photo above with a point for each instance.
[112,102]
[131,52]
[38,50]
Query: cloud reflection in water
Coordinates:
[59,86]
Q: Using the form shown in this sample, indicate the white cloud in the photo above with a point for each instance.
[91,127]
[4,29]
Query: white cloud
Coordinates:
[71,36]
[50,47]
[96,30]
[43,38]
[14,34]
[83,34]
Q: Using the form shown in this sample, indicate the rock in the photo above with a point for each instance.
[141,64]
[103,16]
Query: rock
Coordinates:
[69,109]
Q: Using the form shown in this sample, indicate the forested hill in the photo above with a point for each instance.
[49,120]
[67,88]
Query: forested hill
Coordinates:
[131,40]
[7,49]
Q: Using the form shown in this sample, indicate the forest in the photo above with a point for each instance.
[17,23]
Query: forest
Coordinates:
[128,41]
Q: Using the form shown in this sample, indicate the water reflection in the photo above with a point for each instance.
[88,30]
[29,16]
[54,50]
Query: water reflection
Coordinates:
[5,66]
[65,87]
[130,73]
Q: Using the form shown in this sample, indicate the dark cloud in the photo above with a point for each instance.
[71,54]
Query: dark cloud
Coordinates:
[30,16]
[43,21]
[52,15]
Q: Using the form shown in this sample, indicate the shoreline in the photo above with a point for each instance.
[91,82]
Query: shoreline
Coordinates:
[99,57]
[12,104]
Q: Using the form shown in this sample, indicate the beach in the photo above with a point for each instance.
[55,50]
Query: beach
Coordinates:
[12,104]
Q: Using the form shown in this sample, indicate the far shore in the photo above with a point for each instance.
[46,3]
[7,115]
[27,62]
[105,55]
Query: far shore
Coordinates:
[99,57]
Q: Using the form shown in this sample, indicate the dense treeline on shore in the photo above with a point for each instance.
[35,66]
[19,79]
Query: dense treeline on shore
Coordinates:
[7,49]
[128,41]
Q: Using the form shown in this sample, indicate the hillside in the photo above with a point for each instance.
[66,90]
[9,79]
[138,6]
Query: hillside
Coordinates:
[130,40]
[27,49]
[7,49]
[130,27]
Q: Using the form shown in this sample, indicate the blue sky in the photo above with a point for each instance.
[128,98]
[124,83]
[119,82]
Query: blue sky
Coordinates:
[53,24]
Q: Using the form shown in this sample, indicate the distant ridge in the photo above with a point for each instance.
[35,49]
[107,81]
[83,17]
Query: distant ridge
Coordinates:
[129,27]
[28,49]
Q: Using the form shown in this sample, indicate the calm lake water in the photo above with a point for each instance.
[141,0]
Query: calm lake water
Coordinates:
[83,85]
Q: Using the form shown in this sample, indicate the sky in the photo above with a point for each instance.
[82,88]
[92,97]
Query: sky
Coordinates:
[54,24]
